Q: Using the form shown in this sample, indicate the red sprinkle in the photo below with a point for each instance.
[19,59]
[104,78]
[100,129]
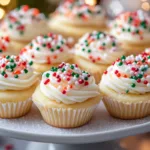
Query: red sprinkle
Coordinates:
[54,74]
[138,80]
[81,81]
[47,81]
[63,92]
[86,83]
[145,82]
[105,72]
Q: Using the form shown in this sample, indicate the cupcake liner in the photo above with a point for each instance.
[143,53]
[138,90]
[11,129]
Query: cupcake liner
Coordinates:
[127,110]
[66,117]
[15,109]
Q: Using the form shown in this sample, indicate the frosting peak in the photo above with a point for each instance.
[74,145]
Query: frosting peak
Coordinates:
[49,49]
[79,12]
[24,23]
[129,74]
[132,24]
[68,84]
[15,73]
[99,47]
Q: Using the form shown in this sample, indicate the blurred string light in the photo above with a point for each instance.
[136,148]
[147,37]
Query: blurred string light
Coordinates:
[145,5]
[91,2]
[4,2]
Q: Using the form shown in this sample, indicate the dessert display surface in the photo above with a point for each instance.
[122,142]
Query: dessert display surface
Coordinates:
[102,127]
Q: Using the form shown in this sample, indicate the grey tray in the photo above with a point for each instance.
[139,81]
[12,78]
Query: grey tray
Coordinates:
[101,128]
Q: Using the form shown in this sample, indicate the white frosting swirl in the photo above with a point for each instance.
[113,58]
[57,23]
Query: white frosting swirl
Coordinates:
[132,27]
[130,75]
[98,47]
[80,13]
[51,49]
[24,24]
[15,74]
[63,87]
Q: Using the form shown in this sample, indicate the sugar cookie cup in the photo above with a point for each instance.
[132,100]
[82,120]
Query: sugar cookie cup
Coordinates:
[126,87]
[66,96]
[17,84]
[46,51]
[75,18]
[132,29]
[22,25]
[95,51]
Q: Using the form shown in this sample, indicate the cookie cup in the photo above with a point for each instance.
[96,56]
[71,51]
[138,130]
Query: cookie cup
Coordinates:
[125,106]
[15,103]
[73,30]
[62,115]
[138,48]
[93,68]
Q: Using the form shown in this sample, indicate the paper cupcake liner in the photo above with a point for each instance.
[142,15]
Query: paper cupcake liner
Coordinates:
[66,118]
[15,109]
[127,110]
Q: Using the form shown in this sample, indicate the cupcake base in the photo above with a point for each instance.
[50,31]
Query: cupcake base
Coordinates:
[15,110]
[95,69]
[126,106]
[127,111]
[63,115]
[15,103]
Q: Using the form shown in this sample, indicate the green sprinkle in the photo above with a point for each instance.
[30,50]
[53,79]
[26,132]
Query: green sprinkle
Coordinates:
[62,42]
[44,45]
[54,69]
[148,57]
[123,57]
[16,76]
[11,60]
[3,73]
[113,44]
[31,63]
[73,74]
[133,85]
[7,67]
[10,26]
[137,31]
[120,63]
[86,78]
[77,75]
[63,69]
[89,11]
[7,57]
[47,75]
[123,29]
[72,67]
[140,75]
[127,91]
[83,49]
[129,30]
[51,49]
[37,48]
[1,50]
[104,44]
[25,71]
[89,51]
[45,36]
[31,44]
[58,47]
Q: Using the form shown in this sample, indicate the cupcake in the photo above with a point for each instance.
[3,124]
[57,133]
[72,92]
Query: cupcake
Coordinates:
[75,18]
[17,84]
[126,87]
[46,51]
[22,25]
[133,30]
[95,51]
[66,96]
